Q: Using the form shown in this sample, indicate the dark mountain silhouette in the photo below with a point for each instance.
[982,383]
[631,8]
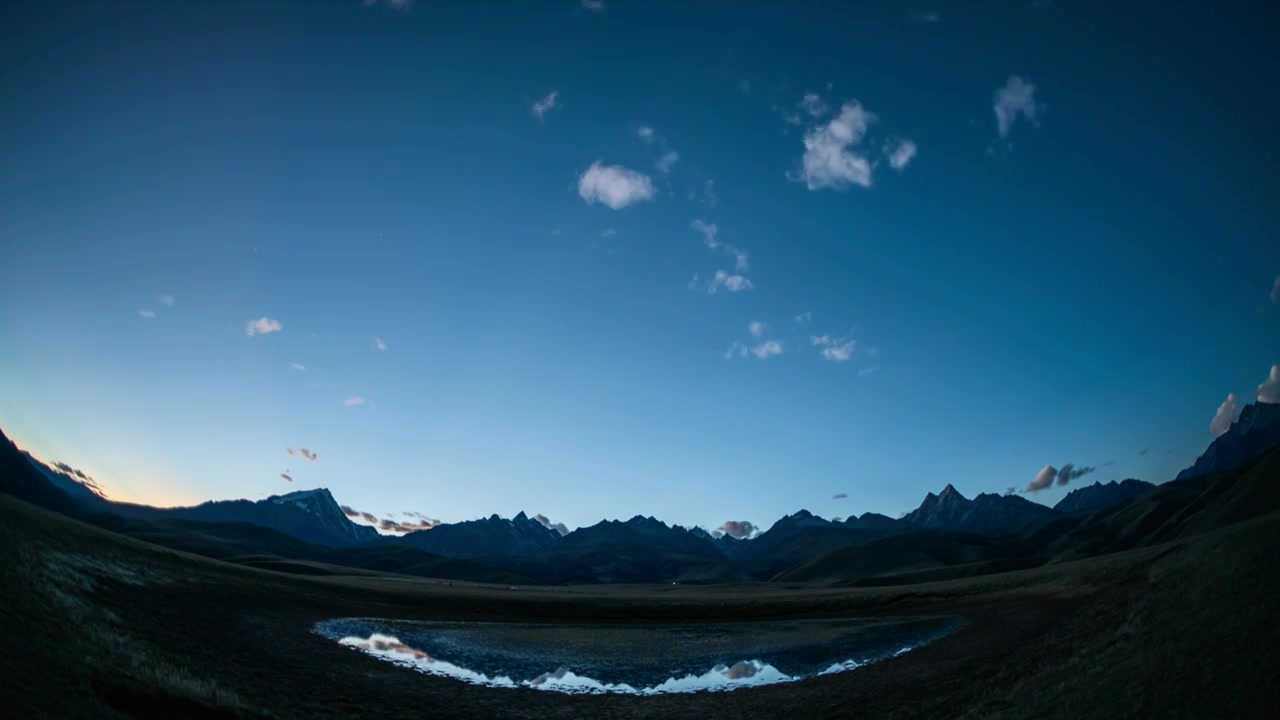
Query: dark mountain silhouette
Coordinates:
[487,537]
[1256,431]
[78,489]
[261,547]
[1098,495]
[647,531]
[309,515]
[986,514]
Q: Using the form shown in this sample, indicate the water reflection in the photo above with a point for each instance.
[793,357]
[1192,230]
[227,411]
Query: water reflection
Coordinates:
[635,660]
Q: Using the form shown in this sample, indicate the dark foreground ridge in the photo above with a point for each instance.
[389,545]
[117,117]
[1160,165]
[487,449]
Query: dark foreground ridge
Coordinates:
[1159,606]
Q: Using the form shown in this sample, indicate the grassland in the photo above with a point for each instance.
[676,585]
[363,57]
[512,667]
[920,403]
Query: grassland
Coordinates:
[100,625]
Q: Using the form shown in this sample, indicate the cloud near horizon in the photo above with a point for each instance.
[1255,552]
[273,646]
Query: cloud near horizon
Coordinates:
[546,522]
[738,528]
[287,476]
[302,452]
[1049,474]
[1269,390]
[1226,415]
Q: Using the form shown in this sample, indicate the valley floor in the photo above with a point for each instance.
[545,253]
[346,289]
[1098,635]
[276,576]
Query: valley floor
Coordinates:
[99,625]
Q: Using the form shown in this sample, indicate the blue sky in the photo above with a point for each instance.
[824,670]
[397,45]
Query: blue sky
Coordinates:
[516,198]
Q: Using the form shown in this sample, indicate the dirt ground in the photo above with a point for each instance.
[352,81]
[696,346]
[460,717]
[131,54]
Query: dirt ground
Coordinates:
[98,625]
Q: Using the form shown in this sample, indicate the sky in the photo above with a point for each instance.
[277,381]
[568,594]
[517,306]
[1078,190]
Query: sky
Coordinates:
[700,260]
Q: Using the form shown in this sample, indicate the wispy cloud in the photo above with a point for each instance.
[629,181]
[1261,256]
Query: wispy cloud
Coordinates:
[1225,416]
[546,522]
[646,134]
[804,318]
[763,350]
[729,281]
[839,496]
[901,154]
[757,328]
[148,314]
[741,260]
[545,105]
[868,370]
[389,526]
[166,300]
[1275,290]
[262,326]
[738,528]
[303,453]
[595,6]
[835,349]
[353,400]
[614,186]
[1017,97]
[709,232]
[926,17]
[379,344]
[813,104]
[667,161]
[608,232]
[299,367]
[286,476]
[828,162]
[1049,474]
[1269,390]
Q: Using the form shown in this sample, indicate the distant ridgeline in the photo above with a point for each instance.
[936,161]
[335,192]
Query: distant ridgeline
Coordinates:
[948,531]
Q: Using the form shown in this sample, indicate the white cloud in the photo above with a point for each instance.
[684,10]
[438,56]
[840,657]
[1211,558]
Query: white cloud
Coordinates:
[353,400]
[166,300]
[646,134]
[1275,290]
[901,154]
[614,185]
[710,197]
[827,161]
[762,350]
[545,105]
[803,318]
[835,349]
[595,6]
[741,260]
[668,161]
[708,231]
[379,344]
[298,367]
[813,105]
[757,328]
[262,326]
[148,314]
[1269,391]
[728,281]
[1016,97]
[867,371]
[1225,416]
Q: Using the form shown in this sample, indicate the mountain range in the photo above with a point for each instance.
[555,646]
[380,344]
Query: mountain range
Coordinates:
[642,549]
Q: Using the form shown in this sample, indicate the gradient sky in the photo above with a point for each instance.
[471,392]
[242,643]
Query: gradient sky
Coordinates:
[1087,284]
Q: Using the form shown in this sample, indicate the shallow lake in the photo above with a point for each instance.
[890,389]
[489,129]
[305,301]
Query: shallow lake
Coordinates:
[635,659]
